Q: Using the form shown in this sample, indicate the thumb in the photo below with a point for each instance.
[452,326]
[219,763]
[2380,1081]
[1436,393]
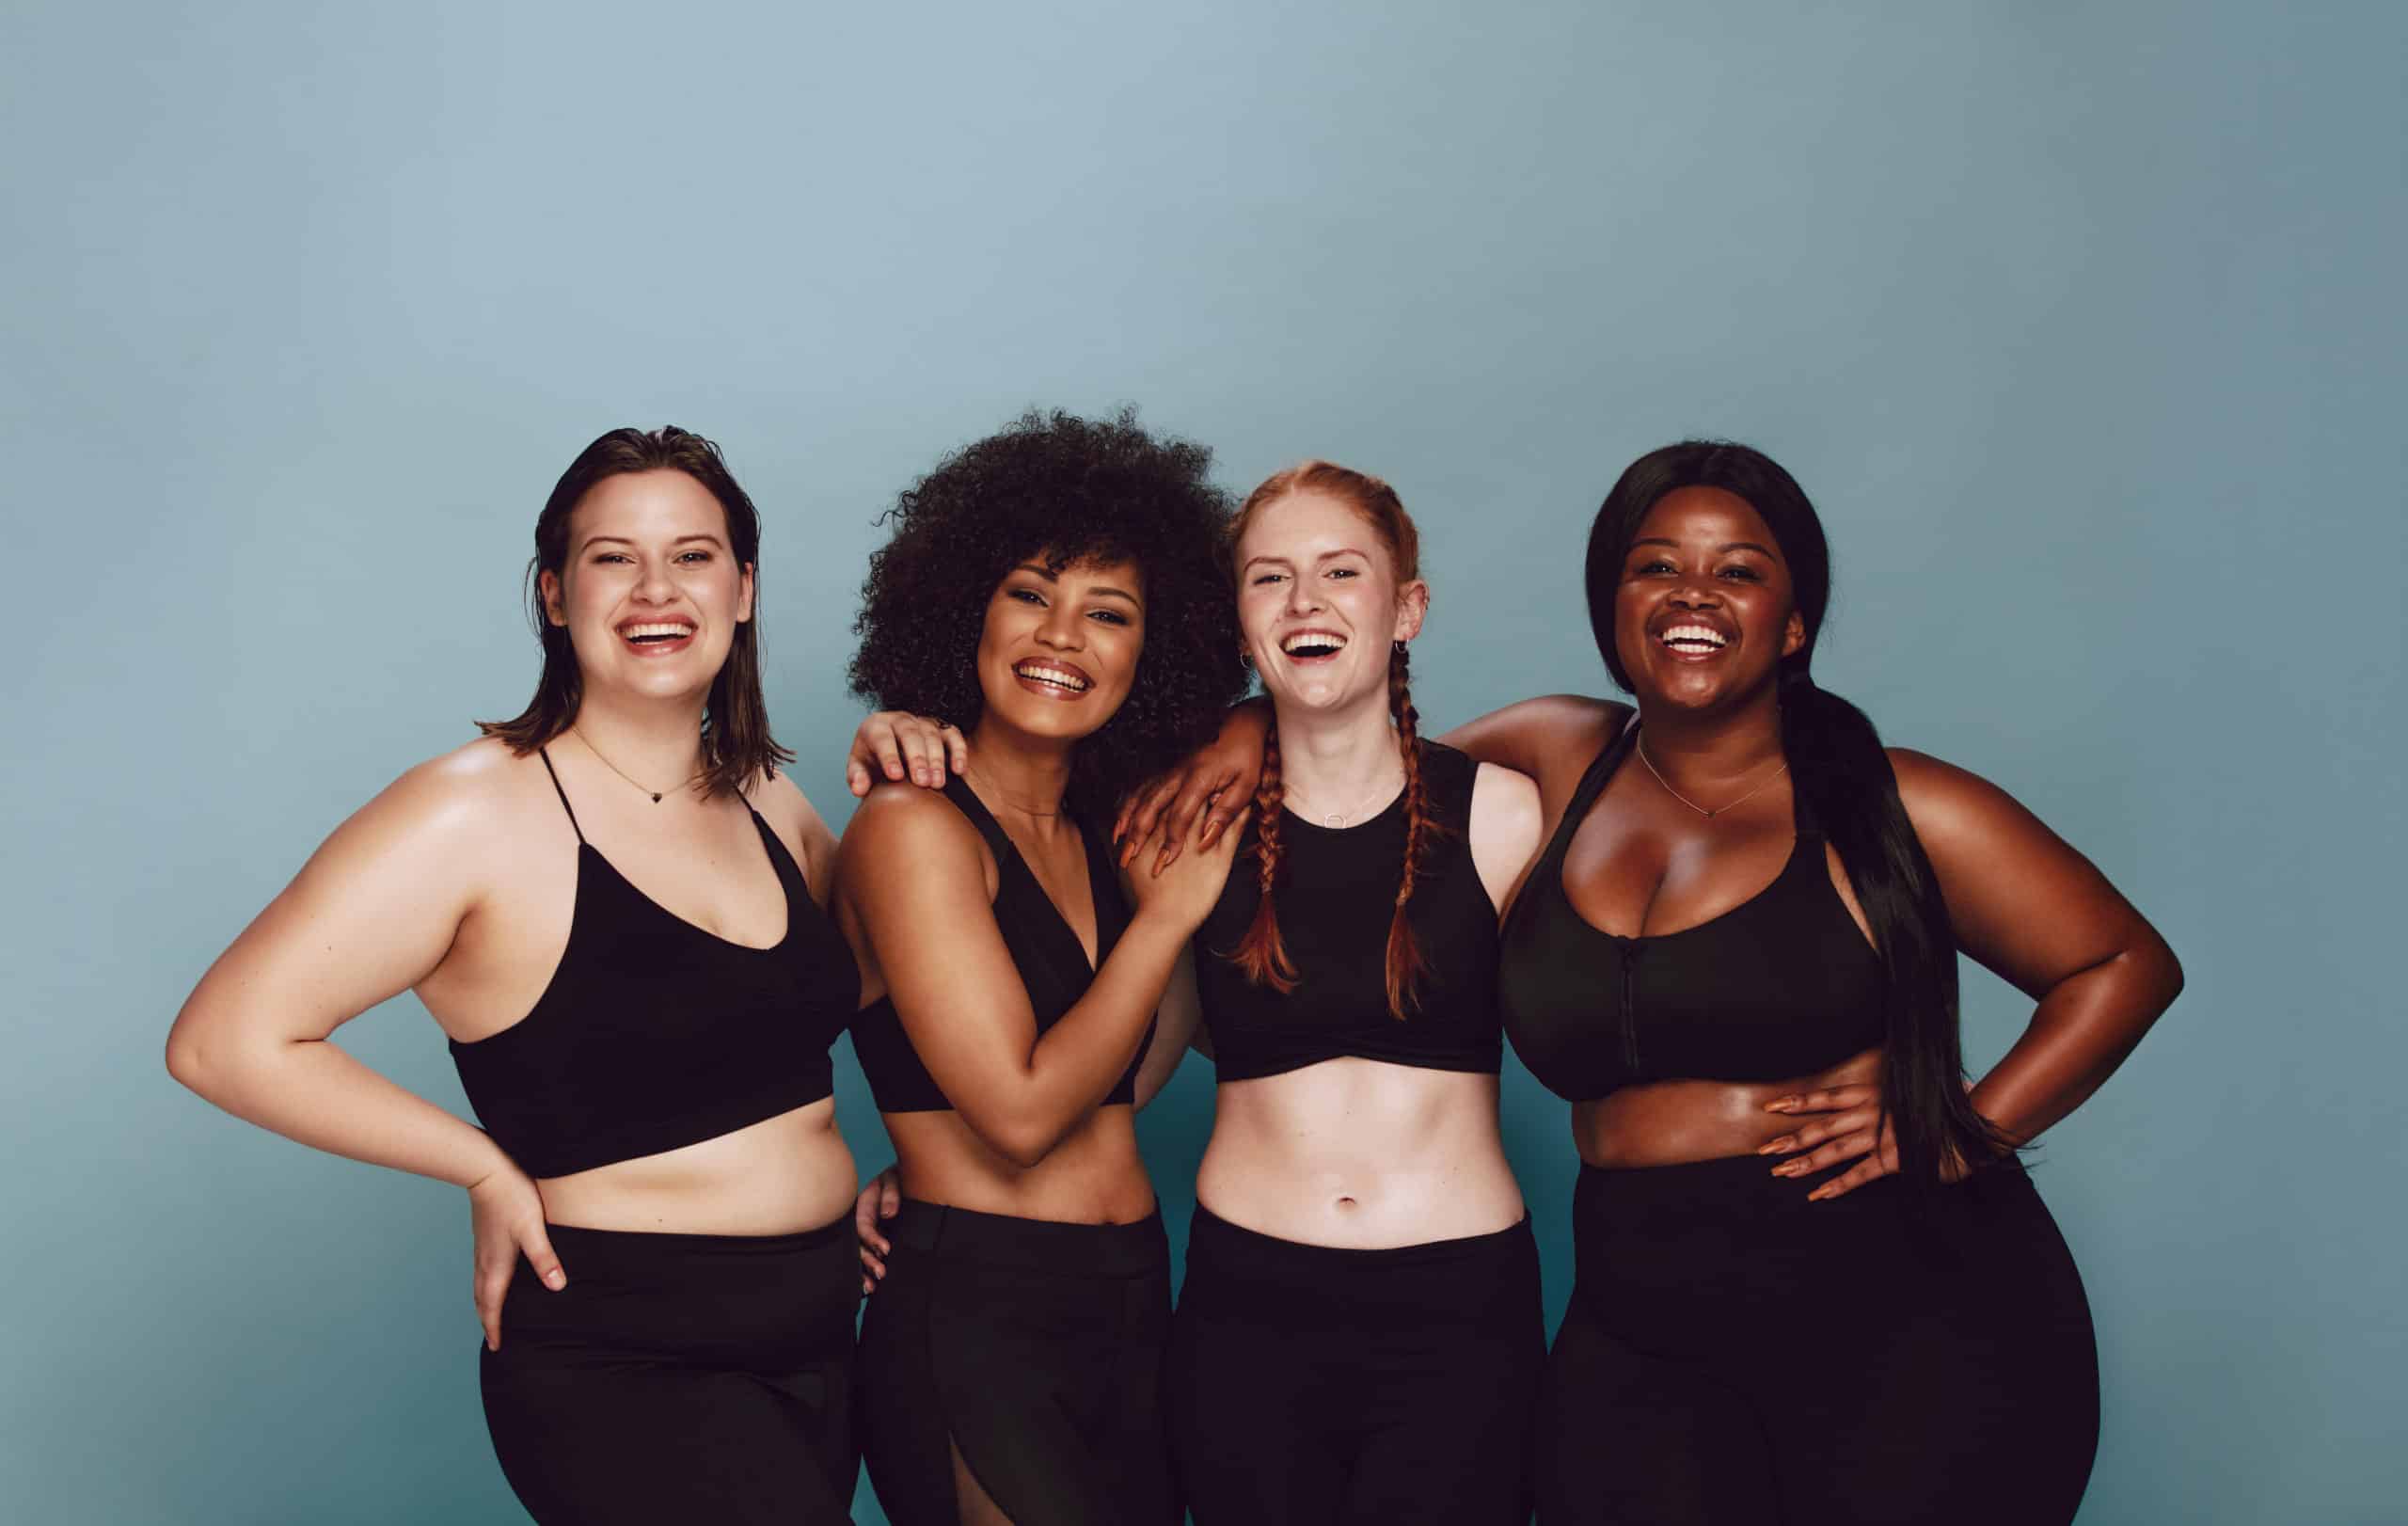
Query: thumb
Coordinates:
[538,1248]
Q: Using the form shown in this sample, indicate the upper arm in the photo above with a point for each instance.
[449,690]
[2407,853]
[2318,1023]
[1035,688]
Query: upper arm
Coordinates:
[1178,1023]
[915,883]
[1505,827]
[2023,902]
[1541,737]
[371,914]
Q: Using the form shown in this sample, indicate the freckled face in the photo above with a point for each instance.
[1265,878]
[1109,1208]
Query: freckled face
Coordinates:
[651,592]
[1059,654]
[1704,611]
[1318,603]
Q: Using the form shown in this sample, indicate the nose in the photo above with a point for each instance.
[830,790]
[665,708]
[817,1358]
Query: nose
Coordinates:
[1303,596]
[652,585]
[1696,596]
[1062,628]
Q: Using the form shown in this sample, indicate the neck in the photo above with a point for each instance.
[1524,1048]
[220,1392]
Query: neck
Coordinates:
[1713,747]
[1018,778]
[1338,761]
[658,743]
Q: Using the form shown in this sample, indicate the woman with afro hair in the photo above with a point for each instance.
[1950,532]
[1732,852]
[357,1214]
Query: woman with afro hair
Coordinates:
[1053,594]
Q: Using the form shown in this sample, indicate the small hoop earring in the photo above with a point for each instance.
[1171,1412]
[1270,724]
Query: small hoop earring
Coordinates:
[1397,647]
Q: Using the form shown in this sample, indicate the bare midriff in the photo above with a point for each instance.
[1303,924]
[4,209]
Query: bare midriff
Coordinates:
[1360,1154]
[779,1176]
[1094,1176]
[1674,1122]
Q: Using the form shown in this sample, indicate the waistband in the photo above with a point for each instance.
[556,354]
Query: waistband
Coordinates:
[1210,1234]
[645,1245]
[1093,1249]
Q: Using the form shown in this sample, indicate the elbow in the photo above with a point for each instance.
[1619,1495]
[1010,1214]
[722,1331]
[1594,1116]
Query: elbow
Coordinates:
[190,1062]
[1024,1141]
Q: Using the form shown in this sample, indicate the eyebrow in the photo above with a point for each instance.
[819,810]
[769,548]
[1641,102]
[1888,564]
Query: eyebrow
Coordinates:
[1102,589]
[1732,545]
[622,540]
[1343,551]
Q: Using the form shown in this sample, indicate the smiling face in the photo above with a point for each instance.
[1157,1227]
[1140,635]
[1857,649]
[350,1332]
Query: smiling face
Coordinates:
[649,592]
[1059,653]
[1319,602]
[1704,612]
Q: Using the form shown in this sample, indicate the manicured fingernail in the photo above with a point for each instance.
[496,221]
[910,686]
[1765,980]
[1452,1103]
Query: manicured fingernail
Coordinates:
[556,1278]
[894,770]
[1782,1104]
[1774,1146]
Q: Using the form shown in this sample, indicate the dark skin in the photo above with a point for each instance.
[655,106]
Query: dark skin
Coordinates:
[2024,904]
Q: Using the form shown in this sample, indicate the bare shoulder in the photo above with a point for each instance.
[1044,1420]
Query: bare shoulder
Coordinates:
[476,791]
[895,822]
[1956,809]
[781,804]
[1504,801]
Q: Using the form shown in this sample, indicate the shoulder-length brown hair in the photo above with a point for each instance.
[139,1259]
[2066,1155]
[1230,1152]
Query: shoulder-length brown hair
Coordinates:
[737,748]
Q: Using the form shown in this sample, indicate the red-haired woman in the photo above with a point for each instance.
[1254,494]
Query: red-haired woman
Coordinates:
[1359,1334]
[612,906]
[1742,885]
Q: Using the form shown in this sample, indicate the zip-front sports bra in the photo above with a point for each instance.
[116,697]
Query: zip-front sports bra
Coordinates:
[654,1034]
[1779,986]
[1335,895]
[1052,962]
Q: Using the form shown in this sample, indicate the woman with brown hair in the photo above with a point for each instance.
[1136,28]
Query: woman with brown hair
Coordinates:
[613,905]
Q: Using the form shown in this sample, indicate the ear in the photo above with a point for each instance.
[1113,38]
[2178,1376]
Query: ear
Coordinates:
[1412,604]
[744,596]
[1793,635]
[548,585]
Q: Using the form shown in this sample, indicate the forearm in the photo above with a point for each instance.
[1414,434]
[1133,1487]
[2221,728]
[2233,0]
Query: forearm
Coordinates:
[1079,1059]
[2081,1030]
[311,1091]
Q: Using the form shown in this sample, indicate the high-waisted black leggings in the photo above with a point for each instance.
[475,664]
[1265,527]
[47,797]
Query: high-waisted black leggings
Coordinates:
[1737,1353]
[1314,1385]
[1032,1350]
[680,1377]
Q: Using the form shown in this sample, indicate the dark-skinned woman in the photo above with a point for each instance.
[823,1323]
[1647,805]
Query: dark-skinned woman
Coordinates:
[1794,1302]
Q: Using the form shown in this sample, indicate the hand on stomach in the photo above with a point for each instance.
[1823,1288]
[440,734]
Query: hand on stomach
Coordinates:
[779,1176]
[1094,1176]
[1360,1154]
[1674,1122]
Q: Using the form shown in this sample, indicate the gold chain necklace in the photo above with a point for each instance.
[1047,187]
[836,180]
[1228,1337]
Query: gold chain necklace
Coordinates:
[623,773]
[1339,818]
[1640,747]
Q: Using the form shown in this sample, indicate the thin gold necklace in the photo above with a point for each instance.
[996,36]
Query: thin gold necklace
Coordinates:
[623,773]
[1640,747]
[1339,818]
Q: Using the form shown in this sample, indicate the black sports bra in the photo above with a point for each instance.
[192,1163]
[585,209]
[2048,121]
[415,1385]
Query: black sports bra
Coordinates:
[1780,985]
[1335,895]
[654,1034]
[1052,962]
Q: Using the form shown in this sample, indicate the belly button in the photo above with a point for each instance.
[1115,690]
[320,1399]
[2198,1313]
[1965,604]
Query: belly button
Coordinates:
[1345,1202]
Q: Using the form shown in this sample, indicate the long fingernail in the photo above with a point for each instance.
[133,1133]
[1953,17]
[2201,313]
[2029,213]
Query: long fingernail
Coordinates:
[1782,1104]
[1774,1146]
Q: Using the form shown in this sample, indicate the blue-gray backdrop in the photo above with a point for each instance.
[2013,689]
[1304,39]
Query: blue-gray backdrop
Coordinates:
[2081,322]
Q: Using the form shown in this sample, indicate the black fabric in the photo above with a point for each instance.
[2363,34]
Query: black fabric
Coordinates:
[680,1377]
[1735,1354]
[1781,985]
[654,1034]
[1336,895]
[1311,1386]
[1052,962]
[1033,1349]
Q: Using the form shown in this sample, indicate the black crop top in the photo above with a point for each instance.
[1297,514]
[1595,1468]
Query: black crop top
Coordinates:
[1335,895]
[1780,985]
[1052,962]
[654,1034]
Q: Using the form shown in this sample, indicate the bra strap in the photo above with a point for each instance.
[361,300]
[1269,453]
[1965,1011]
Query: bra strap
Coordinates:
[545,753]
[1592,784]
[966,801]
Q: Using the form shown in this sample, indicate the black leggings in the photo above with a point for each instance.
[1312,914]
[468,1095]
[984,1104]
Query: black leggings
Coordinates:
[1316,1385]
[680,1377]
[1032,1349]
[1737,1353]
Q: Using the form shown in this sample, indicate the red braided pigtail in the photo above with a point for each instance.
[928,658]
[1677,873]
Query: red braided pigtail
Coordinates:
[1406,965]
[1261,953]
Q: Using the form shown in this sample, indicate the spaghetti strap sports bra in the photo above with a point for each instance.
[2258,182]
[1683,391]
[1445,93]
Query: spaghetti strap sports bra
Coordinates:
[1336,895]
[1052,962]
[654,1034]
[1780,985]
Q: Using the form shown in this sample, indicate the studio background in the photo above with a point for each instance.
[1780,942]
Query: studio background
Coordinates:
[2081,326]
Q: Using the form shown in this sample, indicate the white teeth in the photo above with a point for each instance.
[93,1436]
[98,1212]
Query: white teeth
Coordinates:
[1695,636]
[672,628]
[1317,639]
[1046,674]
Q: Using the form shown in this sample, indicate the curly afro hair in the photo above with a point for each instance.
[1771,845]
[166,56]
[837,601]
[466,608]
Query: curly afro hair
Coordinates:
[1069,491]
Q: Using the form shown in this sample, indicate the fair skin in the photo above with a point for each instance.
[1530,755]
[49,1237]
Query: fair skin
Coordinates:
[2022,903]
[459,882]
[1027,1135]
[1348,1152]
